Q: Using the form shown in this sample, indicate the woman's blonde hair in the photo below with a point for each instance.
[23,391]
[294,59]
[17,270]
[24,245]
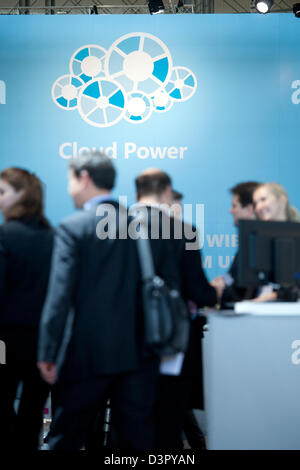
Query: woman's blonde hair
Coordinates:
[292,214]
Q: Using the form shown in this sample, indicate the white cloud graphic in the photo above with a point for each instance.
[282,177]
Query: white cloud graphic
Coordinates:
[131,80]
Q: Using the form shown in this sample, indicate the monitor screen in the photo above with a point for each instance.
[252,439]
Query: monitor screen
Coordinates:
[269,252]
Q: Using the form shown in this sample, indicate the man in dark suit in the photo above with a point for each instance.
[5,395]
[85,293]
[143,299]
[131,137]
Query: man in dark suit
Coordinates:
[91,329]
[154,190]
[242,207]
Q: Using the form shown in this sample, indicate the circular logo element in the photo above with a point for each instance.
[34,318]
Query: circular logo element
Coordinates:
[182,84]
[65,91]
[162,101]
[139,107]
[139,61]
[88,62]
[102,103]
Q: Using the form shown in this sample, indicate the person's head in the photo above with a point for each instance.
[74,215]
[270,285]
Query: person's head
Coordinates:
[154,185]
[21,195]
[271,202]
[242,204]
[176,204]
[90,174]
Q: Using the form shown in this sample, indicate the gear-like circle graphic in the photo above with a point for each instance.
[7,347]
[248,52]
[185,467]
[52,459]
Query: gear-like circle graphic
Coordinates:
[139,107]
[182,84]
[102,103]
[87,62]
[130,80]
[161,101]
[139,62]
[65,91]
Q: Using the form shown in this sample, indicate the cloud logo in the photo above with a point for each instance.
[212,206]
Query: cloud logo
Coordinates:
[129,81]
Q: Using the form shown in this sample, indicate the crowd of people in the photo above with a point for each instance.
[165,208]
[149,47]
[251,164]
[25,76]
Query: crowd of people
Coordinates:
[71,313]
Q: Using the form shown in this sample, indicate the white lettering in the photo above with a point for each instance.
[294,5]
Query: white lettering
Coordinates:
[67,150]
[75,149]
[106,228]
[172,152]
[111,151]
[151,459]
[122,217]
[130,147]
[207,262]
[221,263]
[2,92]
[155,153]
[296,94]
[215,240]
[222,239]
[189,231]
[62,148]
[143,152]
[2,352]
[295,358]
[235,241]
[158,152]
[74,152]
[182,150]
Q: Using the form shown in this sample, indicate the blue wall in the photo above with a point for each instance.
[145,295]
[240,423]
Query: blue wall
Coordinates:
[236,109]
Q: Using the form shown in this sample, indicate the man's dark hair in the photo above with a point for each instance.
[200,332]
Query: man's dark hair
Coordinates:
[176,195]
[245,192]
[98,165]
[152,182]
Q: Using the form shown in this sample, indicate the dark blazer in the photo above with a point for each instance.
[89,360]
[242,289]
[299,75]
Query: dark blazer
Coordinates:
[184,239]
[235,293]
[99,280]
[25,256]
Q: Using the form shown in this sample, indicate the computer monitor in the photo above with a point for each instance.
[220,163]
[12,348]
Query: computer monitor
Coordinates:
[269,252]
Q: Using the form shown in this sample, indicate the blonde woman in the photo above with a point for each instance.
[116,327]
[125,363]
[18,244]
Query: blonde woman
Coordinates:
[271,202]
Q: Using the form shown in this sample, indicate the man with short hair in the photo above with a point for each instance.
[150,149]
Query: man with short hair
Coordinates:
[154,190]
[242,207]
[176,205]
[242,204]
[91,333]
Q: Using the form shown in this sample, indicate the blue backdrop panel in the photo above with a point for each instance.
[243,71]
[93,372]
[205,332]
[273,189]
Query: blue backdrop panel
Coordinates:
[211,99]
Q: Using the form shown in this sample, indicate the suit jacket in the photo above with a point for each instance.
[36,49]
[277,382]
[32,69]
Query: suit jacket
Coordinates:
[98,279]
[25,256]
[184,240]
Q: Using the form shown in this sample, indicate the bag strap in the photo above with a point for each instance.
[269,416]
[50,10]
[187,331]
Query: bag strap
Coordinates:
[145,255]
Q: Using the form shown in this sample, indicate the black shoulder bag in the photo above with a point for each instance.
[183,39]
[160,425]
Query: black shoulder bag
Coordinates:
[166,317]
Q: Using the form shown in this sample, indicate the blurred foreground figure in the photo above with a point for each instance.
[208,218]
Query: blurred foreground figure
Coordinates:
[175,388]
[26,241]
[91,336]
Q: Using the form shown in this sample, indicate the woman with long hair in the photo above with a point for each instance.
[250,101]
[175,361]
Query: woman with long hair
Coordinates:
[26,240]
[271,203]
